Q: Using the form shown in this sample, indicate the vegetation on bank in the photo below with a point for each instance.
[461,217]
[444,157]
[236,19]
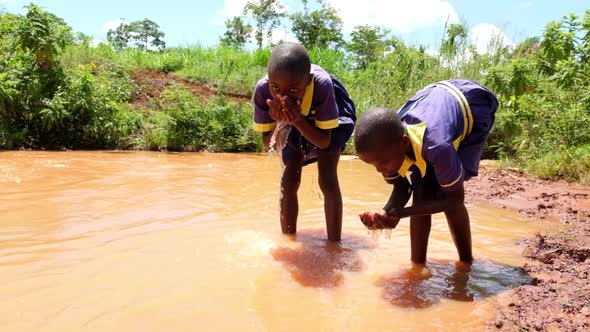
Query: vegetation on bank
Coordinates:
[58,91]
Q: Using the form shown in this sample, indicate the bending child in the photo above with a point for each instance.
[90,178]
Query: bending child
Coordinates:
[428,149]
[321,116]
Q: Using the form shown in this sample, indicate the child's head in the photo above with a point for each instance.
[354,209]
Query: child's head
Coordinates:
[380,139]
[289,71]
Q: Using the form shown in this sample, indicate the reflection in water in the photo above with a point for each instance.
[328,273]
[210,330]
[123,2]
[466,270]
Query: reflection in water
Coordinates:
[421,287]
[317,262]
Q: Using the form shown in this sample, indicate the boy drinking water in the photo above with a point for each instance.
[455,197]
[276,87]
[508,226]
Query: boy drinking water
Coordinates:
[321,117]
[428,149]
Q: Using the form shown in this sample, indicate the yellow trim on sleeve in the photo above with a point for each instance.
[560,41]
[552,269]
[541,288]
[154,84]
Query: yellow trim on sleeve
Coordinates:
[456,180]
[264,127]
[388,178]
[327,124]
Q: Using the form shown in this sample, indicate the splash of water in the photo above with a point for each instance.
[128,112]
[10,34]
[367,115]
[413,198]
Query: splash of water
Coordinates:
[376,233]
[278,140]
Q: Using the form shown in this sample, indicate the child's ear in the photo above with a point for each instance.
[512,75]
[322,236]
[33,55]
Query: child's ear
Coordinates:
[309,78]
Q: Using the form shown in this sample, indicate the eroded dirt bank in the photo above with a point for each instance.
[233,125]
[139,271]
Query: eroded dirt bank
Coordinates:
[559,298]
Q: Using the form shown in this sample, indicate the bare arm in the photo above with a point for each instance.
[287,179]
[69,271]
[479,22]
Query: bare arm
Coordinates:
[448,201]
[387,218]
[399,195]
[318,137]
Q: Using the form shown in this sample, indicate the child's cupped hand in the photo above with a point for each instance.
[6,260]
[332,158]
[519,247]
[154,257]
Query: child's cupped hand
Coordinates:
[276,108]
[283,108]
[379,220]
[291,109]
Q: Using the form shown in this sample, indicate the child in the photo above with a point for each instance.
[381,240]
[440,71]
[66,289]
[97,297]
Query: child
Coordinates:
[427,149]
[321,116]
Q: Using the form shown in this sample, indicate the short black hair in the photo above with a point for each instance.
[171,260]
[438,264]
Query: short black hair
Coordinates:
[289,57]
[377,127]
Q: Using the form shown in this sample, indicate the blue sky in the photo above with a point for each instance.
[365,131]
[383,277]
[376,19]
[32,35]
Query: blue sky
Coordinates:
[188,22]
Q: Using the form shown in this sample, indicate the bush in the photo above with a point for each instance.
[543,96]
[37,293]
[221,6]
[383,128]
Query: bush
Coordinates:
[214,126]
[82,113]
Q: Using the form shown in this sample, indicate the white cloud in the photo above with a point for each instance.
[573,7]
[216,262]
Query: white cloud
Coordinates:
[487,36]
[281,35]
[525,5]
[96,42]
[432,52]
[230,9]
[111,25]
[398,15]
[12,6]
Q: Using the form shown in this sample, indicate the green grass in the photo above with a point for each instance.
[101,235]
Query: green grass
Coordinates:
[572,164]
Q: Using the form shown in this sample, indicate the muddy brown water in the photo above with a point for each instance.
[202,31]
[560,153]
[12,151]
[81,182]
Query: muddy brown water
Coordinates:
[135,241]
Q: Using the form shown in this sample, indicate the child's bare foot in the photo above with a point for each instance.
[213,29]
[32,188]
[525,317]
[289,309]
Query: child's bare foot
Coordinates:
[420,271]
[461,266]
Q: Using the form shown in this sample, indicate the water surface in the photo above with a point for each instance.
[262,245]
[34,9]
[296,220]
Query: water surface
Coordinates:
[133,241]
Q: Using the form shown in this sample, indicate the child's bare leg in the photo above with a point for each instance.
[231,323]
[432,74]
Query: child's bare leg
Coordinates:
[328,180]
[420,225]
[289,202]
[458,220]
[419,233]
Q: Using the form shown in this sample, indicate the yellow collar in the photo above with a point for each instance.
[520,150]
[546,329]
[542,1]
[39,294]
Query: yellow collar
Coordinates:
[416,135]
[307,98]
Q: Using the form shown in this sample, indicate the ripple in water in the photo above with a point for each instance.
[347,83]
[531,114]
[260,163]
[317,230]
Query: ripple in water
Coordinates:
[317,262]
[421,287]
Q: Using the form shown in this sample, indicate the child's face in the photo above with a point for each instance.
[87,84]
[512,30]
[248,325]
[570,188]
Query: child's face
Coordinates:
[288,84]
[387,158]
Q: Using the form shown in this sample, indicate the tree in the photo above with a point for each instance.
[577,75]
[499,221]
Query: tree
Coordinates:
[267,14]
[143,34]
[559,43]
[237,33]
[585,41]
[565,51]
[320,28]
[119,37]
[368,44]
[44,35]
[148,32]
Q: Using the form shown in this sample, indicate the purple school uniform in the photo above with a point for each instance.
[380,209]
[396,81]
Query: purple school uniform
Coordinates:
[326,104]
[448,124]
